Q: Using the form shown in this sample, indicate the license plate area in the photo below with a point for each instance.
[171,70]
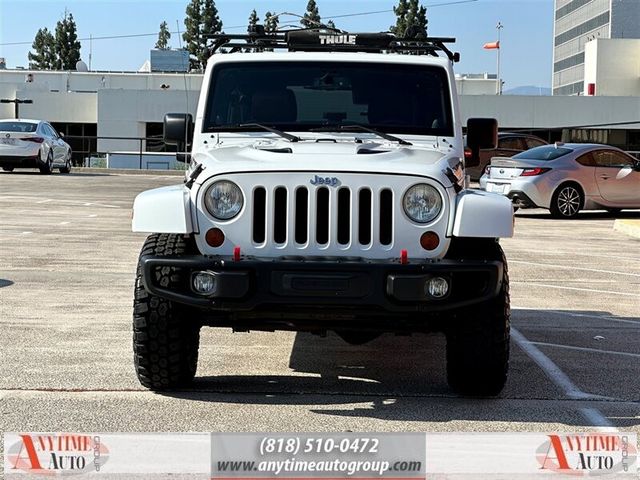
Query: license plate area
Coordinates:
[347,285]
[8,141]
[497,187]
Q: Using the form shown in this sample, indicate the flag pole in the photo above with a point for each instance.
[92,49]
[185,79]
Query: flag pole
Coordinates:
[499,86]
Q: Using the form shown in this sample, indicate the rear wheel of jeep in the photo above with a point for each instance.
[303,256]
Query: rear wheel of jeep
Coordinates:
[354,337]
[165,335]
[478,336]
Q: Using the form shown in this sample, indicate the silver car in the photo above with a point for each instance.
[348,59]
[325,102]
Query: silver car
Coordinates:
[566,178]
[33,144]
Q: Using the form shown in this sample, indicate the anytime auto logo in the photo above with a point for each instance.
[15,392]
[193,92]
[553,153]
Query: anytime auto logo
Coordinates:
[56,454]
[588,454]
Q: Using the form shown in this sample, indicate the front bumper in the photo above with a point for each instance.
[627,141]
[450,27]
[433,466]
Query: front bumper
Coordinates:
[316,288]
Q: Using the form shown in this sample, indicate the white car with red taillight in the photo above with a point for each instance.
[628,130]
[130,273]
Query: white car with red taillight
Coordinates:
[566,178]
[32,144]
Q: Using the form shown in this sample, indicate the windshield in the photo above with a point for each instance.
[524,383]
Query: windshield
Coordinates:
[301,96]
[546,152]
[18,127]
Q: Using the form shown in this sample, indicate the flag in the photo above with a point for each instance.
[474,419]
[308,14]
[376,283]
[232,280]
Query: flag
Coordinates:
[491,45]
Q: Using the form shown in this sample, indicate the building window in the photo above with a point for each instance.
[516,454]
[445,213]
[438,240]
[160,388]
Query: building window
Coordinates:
[570,7]
[571,89]
[568,62]
[583,28]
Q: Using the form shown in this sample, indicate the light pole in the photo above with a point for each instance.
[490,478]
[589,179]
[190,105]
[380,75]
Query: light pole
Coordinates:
[16,103]
[499,87]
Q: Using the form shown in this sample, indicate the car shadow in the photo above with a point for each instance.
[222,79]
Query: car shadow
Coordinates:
[5,283]
[392,378]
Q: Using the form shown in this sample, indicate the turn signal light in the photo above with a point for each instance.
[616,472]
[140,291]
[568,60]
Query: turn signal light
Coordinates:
[429,240]
[214,237]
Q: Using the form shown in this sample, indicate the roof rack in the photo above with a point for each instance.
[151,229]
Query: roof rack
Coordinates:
[329,40]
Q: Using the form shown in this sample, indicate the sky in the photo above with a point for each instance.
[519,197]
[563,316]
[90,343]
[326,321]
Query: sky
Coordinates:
[526,38]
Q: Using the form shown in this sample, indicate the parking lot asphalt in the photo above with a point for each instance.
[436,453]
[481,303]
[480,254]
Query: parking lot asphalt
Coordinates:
[67,262]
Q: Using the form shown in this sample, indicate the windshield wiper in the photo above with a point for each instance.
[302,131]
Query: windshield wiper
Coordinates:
[288,136]
[362,128]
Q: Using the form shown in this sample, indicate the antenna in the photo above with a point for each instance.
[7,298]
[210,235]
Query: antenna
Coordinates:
[186,92]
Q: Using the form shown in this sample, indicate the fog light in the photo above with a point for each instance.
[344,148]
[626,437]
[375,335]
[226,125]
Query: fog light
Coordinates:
[204,283]
[437,287]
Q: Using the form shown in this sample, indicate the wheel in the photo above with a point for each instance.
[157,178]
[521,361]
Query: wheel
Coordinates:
[7,169]
[47,168]
[354,337]
[567,201]
[166,336]
[67,165]
[478,336]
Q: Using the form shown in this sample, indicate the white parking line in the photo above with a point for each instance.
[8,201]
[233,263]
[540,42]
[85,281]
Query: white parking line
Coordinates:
[586,349]
[608,318]
[562,287]
[569,267]
[45,201]
[561,380]
[69,202]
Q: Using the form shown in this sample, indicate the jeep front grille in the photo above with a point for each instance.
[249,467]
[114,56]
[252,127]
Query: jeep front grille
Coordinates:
[321,216]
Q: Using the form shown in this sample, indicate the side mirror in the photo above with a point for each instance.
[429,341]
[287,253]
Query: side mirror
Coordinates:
[61,134]
[178,131]
[636,166]
[481,133]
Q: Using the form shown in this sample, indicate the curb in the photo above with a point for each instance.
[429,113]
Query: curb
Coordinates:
[127,171]
[628,227]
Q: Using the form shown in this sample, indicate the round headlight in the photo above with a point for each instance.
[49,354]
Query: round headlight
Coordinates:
[223,200]
[422,203]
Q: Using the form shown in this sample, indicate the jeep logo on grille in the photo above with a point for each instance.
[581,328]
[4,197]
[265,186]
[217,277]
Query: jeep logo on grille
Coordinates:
[330,181]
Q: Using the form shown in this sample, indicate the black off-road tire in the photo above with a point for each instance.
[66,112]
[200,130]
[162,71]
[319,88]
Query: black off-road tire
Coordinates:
[567,201]
[7,169]
[166,334]
[478,336]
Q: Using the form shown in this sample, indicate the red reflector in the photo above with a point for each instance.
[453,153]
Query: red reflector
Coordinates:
[214,237]
[532,172]
[33,139]
[404,257]
[429,240]
[467,153]
[236,254]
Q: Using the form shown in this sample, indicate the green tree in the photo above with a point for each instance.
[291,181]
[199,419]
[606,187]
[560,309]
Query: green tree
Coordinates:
[330,24]
[311,17]
[211,24]
[410,15]
[67,45]
[191,35]
[163,37]
[201,20]
[271,22]
[44,57]
[253,18]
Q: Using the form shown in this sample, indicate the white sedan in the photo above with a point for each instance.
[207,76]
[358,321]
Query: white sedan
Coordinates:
[33,144]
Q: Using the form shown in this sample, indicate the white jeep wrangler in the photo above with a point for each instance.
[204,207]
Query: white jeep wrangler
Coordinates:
[326,191]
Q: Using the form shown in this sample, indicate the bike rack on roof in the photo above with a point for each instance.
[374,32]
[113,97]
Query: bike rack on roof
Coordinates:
[329,40]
